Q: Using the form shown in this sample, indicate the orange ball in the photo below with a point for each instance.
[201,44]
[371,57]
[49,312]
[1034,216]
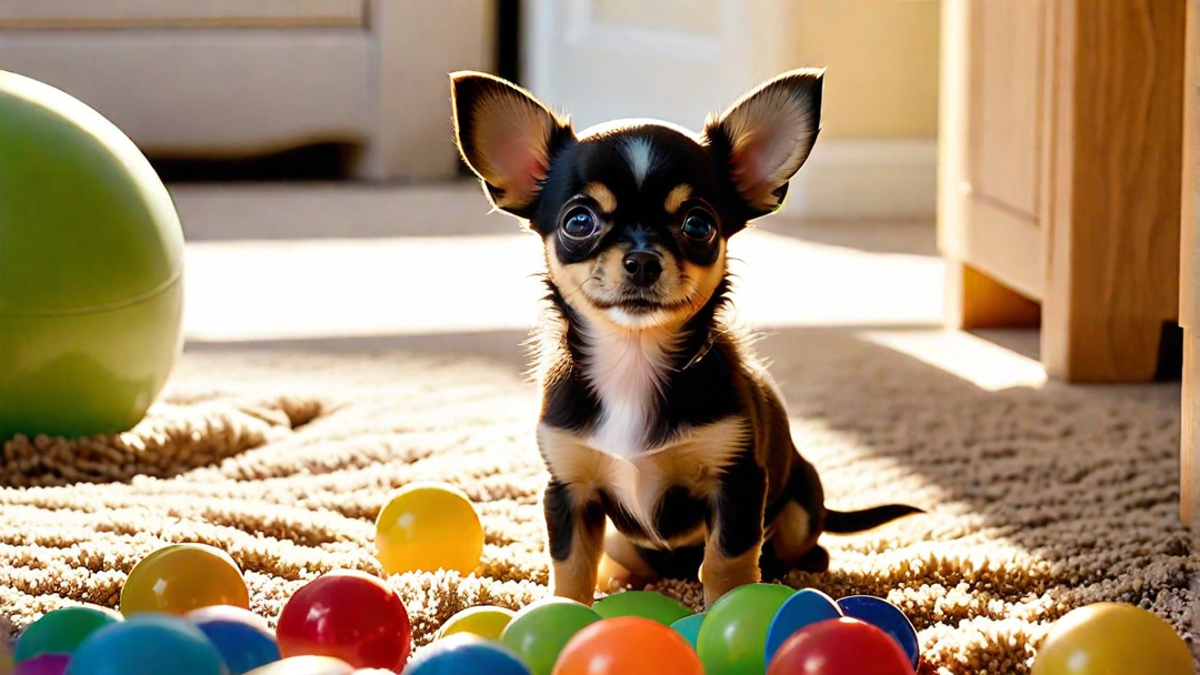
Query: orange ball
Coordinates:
[181,577]
[627,644]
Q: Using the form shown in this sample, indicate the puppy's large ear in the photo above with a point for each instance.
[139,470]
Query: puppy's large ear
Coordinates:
[506,137]
[764,138]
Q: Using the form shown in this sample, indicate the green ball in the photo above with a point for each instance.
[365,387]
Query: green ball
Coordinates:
[540,631]
[733,637]
[60,631]
[644,604]
[91,269]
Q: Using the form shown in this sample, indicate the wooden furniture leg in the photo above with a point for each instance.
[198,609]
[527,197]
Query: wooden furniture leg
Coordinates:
[1113,263]
[976,300]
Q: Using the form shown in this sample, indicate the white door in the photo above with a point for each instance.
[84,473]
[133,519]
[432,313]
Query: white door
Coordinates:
[673,60]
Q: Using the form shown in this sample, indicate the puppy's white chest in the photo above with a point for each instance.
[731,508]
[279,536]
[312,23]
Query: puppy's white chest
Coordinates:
[625,418]
[625,371]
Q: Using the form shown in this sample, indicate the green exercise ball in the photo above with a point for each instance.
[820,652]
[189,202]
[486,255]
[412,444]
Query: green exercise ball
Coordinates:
[91,269]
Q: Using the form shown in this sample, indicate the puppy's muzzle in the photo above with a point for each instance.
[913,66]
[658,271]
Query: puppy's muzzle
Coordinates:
[642,268]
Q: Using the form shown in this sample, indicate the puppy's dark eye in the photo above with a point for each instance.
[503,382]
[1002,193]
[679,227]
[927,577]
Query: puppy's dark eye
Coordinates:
[699,226]
[580,223]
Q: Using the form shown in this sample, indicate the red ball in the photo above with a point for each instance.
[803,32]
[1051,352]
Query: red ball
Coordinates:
[843,646]
[347,615]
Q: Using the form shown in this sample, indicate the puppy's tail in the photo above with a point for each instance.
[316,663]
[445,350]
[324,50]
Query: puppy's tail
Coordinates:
[849,522]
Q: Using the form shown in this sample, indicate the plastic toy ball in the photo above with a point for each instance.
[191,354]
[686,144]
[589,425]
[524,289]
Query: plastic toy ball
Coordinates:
[306,665]
[147,644]
[539,632]
[689,628]
[426,527]
[348,615]
[466,654]
[806,607]
[842,646]
[733,638]
[485,621]
[46,664]
[648,605]
[625,645]
[883,614]
[243,638]
[1112,638]
[181,577]
[90,270]
[60,631]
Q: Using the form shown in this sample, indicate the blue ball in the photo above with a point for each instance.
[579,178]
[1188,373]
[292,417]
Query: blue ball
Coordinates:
[241,636]
[806,607]
[466,654]
[689,627]
[886,616]
[147,644]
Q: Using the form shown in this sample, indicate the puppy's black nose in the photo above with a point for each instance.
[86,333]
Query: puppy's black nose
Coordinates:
[643,267]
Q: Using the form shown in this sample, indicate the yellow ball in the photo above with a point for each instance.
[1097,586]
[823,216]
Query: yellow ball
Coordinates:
[428,526]
[1107,638]
[181,577]
[485,621]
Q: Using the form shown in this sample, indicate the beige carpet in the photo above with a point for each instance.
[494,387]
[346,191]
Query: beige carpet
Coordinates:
[1041,499]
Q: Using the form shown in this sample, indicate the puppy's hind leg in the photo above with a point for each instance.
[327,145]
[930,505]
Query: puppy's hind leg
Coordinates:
[794,532]
[623,564]
[793,542]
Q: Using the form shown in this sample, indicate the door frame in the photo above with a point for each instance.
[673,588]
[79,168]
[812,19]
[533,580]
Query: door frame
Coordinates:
[744,52]
[1189,276]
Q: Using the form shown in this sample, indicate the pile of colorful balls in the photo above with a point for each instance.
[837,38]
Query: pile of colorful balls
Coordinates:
[185,610]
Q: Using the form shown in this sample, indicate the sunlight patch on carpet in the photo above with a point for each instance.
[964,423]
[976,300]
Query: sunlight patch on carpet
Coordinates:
[984,364]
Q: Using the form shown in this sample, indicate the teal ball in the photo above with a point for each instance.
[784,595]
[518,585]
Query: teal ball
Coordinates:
[62,630]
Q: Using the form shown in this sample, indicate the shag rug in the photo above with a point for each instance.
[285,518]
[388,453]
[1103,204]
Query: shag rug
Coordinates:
[1041,499]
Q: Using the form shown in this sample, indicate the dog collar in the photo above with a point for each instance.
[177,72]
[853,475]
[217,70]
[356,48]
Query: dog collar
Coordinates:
[703,351]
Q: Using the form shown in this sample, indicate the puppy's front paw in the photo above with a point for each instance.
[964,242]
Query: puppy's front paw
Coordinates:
[712,593]
[578,594]
[721,575]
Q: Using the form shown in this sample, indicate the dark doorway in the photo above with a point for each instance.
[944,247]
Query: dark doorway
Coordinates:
[508,40]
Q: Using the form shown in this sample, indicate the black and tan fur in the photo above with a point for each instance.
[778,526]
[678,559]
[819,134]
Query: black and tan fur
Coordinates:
[667,442]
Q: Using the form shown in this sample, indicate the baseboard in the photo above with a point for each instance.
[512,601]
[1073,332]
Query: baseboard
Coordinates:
[867,179]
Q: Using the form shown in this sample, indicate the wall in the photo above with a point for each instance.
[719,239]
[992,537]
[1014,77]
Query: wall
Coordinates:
[696,16]
[877,156]
[679,59]
[882,57]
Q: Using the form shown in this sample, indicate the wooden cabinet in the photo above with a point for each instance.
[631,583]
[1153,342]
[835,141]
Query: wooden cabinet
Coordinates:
[1060,133]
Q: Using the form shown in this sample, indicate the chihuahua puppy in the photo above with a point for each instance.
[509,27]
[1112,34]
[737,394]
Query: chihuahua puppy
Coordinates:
[667,442]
